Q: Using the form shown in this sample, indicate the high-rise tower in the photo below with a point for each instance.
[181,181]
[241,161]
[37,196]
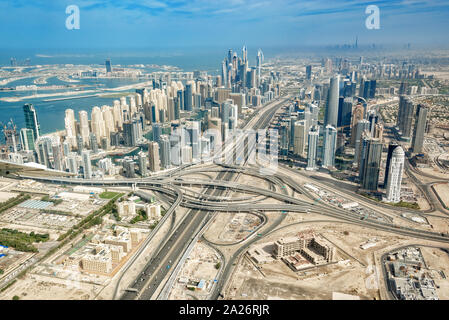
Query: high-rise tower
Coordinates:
[420,128]
[331,116]
[395,175]
[31,121]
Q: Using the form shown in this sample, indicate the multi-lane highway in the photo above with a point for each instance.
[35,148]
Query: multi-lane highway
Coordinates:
[161,264]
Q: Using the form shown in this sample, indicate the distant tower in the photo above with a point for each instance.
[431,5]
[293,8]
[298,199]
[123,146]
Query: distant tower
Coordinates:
[395,175]
[224,73]
[309,72]
[108,65]
[260,58]
[244,54]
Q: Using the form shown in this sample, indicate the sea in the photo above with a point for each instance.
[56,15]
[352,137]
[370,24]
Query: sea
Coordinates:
[51,113]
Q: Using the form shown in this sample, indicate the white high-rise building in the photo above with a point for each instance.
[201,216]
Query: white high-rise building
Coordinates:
[72,163]
[330,145]
[108,117]
[70,128]
[117,113]
[132,106]
[97,124]
[186,154]
[395,175]
[84,127]
[314,134]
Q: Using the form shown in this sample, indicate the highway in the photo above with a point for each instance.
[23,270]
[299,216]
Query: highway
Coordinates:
[160,265]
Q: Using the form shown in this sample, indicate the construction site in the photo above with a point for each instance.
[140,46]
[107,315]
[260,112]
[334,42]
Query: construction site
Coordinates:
[197,275]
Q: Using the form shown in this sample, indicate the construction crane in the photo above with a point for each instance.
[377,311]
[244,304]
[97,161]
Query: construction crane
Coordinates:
[10,134]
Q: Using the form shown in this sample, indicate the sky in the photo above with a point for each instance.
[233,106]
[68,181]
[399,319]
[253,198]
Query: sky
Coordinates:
[119,24]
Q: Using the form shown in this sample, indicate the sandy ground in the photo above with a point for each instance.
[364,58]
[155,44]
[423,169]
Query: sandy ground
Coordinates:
[43,288]
[437,259]
[4,196]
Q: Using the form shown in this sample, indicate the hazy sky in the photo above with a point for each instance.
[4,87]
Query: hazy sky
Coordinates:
[181,23]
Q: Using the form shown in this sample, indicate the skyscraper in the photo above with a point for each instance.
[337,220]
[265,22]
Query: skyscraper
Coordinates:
[312,148]
[331,116]
[329,148]
[97,123]
[57,157]
[143,159]
[260,58]
[300,137]
[193,130]
[308,72]
[345,112]
[395,175]
[131,133]
[362,126]
[93,143]
[420,128]
[72,163]
[188,97]
[283,139]
[27,139]
[84,126]
[80,144]
[391,148]
[405,117]
[70,127]
[371,158]
[129,168]
[157,131]
[153,152]
[165,154]
[31,121]
[108,65]
[87,165]
[357,115]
